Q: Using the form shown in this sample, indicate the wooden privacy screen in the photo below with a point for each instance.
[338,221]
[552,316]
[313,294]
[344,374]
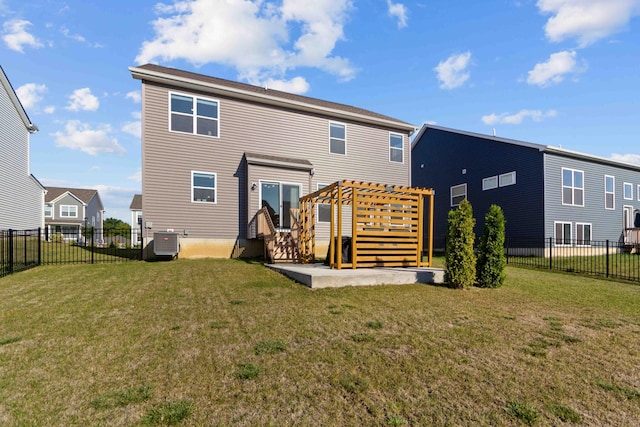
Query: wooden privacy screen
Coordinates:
[386,229]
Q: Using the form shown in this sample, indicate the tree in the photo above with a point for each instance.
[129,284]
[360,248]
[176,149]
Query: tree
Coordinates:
[460,261]
[117,227]
[491,258]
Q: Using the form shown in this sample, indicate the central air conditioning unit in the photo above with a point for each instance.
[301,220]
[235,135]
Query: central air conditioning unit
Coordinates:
[166,243]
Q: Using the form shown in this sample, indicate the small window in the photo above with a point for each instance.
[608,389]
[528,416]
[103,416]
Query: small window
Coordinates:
[562,233]
[458,194]
[583,234]
[194,115]
[507,179]
[627,192]
[396,148]
[638,192]
[337,138]
[48,210]
[609,192]
[572,187]
[324,210]
[68,211]
[490,183]
[203,187]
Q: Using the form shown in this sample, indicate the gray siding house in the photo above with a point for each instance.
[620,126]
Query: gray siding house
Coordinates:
[545,192]
[68,210]
[21,195]
[215,151]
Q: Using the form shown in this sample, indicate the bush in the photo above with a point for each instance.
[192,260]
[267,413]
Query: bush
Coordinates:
[491,259]
[460,261]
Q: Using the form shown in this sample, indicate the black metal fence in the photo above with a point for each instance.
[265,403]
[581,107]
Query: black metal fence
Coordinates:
[610,259]
[23,249]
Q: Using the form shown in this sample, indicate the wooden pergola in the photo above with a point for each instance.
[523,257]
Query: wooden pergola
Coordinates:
[387,225]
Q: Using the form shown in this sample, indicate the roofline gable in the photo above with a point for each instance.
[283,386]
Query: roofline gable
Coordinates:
[263,98]
[63,195]
[4,80]
[546,149]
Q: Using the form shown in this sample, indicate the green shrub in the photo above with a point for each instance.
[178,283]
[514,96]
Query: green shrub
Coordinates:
[460,261]
[491,258]
[523,412]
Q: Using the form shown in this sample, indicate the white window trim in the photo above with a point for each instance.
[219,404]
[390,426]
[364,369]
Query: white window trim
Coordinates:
[215,188]
[513,173]
[51,206]
[194,115]
[451,193]
[624,186]
[486,186]
[345,138]
[562,186]
[612,192]
[555,237]
[578,238]
[402,149]
[318,187]
[69,206]
[638,192]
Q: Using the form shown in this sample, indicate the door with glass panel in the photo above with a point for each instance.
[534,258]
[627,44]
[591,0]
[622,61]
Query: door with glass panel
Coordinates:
[279,198]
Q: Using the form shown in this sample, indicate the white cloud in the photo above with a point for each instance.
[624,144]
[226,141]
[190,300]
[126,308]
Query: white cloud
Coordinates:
[77,37]
[137,176]
[399,11]
[203,31]
[134,95]
[627,158]
[49,109]
[452,72]
[83,99]
[517,118]
[554,70]
[15,35]
[30,94]
[133,128]
[296,85]
[80,136]
[586,20]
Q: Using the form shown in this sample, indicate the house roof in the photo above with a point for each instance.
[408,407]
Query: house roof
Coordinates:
[82,194]
[4,81]
[189,80]
[136,203]
[543,148]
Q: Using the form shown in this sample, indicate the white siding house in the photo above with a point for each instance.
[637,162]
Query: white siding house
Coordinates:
[21,195]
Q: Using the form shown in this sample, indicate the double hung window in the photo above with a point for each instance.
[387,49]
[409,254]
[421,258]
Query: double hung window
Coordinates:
[572,187]
[337,138]
[396,148]
[203,187]
[609,192]
[195,115]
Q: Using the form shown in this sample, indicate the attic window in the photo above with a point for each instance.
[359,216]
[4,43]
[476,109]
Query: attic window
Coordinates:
[194,115]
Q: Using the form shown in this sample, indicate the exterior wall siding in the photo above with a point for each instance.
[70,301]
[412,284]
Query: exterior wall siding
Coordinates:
[169,157]
[21,197]
[606,224]
[442,159]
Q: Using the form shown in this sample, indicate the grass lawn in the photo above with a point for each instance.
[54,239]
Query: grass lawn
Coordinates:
[228,342]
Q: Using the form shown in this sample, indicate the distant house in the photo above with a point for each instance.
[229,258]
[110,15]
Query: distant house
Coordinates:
[136,217]
[21,195]
[68,210]
[545,192]
[215,152]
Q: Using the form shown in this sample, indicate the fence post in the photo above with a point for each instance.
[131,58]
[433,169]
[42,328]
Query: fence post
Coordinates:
[39,246]
[10,251]
[550,253]
[607,258]
[141,245]
[93,232]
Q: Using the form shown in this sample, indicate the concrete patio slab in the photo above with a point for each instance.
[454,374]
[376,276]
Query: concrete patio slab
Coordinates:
[317,276]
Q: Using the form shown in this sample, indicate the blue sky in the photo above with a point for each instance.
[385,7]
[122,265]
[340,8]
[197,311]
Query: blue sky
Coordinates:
[553,72]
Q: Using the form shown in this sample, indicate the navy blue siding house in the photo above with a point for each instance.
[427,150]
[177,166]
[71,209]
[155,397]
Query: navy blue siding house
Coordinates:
[545,192]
